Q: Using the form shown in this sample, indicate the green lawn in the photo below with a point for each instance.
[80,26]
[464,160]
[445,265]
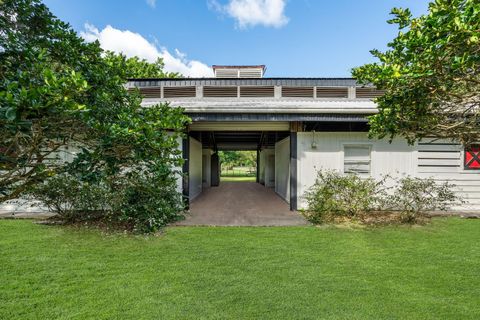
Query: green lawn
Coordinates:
[237,179]
[239,171]
[426,272]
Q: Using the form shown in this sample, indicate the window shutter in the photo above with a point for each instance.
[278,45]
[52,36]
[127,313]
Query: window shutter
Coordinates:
[357,159]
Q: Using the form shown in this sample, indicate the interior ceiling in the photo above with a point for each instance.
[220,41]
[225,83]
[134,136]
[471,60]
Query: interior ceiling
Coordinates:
[232,139]
[239,140]
[239,126]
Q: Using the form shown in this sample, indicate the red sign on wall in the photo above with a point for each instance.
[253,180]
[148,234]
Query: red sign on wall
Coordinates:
[472,158]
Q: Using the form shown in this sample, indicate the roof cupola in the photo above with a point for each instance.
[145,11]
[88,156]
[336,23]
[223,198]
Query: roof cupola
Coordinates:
[239,71]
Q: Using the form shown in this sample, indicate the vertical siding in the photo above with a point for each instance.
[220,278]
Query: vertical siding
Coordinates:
[282,168]
[396,158]
[441,160]
[195,168]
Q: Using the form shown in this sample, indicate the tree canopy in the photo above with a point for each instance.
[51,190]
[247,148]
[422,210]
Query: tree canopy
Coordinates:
[238,158]
[135,67]
[430,74]
[58,91]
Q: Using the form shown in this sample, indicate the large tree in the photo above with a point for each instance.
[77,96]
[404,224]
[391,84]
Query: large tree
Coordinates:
[430,74]
[56,91]
[134,67]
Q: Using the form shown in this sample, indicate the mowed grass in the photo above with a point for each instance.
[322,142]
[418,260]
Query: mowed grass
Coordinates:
[421,272]
[237,179]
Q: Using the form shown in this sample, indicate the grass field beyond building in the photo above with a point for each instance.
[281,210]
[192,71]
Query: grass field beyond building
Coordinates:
[403,272]
[238,174]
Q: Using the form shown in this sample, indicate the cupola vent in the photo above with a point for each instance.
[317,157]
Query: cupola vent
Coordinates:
[239,71]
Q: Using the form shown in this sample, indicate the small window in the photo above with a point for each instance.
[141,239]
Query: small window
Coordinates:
[472,158]
[356,159]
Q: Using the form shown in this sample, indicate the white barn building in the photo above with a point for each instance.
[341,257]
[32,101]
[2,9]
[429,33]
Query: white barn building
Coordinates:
[298,126]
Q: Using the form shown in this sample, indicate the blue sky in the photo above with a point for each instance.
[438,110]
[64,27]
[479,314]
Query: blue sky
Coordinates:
[294,38]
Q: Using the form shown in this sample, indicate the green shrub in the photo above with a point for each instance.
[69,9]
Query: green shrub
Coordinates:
[149,201]
[139,200]
[334,194]
[72,199]
[414,196]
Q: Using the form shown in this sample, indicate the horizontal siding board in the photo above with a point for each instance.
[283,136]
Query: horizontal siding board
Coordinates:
[441,148]
[457,175]
[439,162]
[461,183]
[467,189]
[438,155]
[434,140]
[435,170]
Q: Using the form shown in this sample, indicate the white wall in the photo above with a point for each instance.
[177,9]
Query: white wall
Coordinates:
[398,158]
[267,167]
[282,168]
[261,169]
[206,167]
[195,168]
[394,159]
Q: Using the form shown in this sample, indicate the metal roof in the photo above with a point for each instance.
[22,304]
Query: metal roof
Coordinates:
[270,105]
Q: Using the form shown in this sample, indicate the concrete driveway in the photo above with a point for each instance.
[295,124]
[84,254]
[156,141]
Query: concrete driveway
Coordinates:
[241,204]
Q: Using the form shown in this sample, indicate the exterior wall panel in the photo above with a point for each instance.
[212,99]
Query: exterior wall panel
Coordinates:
[282,169]
[440,160]
[261,169]
[443,160]
[195,168]
[206,167]
[267,167]
[395,159]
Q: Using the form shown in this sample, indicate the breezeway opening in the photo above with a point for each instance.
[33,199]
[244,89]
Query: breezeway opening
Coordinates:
[207,147]
[263,201]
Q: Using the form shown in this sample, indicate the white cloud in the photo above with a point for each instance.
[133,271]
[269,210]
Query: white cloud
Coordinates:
[133,44]
[152,3]
[249,13]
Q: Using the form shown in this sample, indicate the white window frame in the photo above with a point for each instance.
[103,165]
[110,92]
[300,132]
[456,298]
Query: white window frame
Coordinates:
[365,145]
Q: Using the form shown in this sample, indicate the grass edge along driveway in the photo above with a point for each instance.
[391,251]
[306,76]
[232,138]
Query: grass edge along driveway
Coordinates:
[401,272]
